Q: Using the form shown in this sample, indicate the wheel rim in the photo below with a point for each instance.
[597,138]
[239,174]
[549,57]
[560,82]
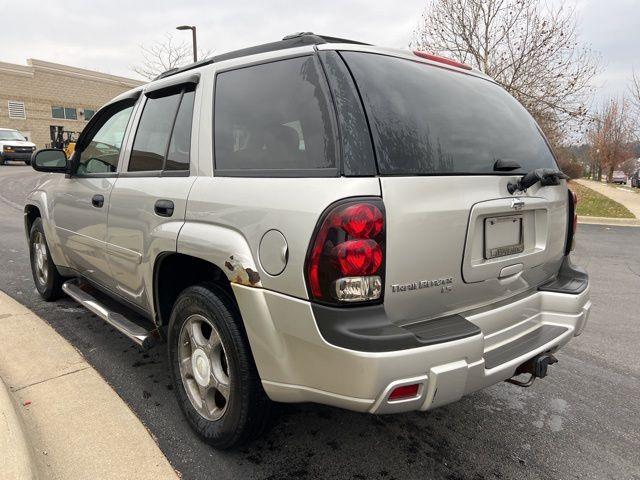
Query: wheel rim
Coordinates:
[204,367]
[40,258]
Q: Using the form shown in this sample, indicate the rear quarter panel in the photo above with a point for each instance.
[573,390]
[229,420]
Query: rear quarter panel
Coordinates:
[249,207]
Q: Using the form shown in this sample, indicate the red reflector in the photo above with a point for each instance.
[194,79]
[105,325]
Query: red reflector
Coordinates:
[436,58]
[405,391]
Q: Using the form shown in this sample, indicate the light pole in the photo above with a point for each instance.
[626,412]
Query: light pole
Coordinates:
[195,43]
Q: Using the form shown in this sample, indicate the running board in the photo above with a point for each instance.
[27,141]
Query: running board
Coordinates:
[118,321]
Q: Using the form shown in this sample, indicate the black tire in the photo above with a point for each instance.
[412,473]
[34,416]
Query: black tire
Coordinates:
[27,162]
[248,411]
[48,280]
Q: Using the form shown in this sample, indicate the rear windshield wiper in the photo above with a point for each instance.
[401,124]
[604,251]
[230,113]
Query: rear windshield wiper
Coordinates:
[505,165]
[546,176]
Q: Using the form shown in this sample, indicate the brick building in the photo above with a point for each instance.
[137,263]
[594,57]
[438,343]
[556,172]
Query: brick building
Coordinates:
[41,95]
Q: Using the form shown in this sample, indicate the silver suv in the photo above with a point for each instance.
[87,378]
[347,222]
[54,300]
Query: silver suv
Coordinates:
[316,220]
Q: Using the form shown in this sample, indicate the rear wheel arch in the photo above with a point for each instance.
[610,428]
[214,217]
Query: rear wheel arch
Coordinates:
[174,272]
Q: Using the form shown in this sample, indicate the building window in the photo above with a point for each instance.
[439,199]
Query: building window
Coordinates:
[57,112]
[88,113]
[16,110]
[67,113]
[70,113]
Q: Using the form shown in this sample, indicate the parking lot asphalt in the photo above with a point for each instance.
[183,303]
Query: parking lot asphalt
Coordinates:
[582,421]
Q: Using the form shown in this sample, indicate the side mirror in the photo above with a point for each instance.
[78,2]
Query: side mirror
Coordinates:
[50,160]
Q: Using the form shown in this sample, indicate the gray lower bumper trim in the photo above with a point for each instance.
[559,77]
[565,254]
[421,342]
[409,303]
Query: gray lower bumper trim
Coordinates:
[368,329]
[522,345]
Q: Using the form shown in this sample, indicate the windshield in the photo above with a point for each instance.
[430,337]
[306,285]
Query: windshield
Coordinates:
[427,120]
[11,135]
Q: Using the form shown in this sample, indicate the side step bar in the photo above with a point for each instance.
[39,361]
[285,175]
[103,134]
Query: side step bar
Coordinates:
[138,334]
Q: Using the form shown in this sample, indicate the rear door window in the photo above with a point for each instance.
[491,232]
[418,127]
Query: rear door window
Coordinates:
[163,138]
[274,117]
[180,145]
[427,120]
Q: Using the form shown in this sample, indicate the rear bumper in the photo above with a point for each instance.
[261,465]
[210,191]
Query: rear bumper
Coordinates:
[297,364]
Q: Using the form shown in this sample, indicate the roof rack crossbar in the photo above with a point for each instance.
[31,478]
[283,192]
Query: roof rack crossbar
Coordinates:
[290,41]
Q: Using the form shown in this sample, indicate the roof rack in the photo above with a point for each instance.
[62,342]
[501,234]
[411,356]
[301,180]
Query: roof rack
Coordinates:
[299,39]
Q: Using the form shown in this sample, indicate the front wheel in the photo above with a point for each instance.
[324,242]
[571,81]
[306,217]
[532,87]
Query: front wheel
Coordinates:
[215,379]
[45,274]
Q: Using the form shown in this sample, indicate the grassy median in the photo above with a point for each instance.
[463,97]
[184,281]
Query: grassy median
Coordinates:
[594,204]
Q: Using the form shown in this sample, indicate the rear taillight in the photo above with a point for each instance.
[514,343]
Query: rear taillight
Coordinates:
[572,221]
[345,261]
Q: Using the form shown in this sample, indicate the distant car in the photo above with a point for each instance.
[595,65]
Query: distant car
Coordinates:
[619,177]
[13,146]
[635,179]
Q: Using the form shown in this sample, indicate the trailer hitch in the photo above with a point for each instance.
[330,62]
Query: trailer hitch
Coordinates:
[536,368]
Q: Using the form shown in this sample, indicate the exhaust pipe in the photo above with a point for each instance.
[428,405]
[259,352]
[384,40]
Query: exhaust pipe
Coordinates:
[535,367]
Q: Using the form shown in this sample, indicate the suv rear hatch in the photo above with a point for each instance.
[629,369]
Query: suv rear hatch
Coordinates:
[456,239]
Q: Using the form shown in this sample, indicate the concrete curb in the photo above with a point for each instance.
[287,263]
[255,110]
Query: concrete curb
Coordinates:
[618,222]
[16,460]
[77,426]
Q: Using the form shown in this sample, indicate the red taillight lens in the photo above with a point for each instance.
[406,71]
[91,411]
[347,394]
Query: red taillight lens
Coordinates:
[345,262]
[405,391]
[362,220]
[358,257]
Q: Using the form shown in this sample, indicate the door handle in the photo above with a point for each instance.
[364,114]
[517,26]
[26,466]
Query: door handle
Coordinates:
[97,200]
[164,208]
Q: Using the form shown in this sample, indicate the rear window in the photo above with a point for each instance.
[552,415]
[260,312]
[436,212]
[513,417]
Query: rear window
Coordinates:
[428,120]
[274,117]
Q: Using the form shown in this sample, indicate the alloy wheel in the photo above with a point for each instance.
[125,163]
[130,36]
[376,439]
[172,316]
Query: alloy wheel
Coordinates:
[204,367]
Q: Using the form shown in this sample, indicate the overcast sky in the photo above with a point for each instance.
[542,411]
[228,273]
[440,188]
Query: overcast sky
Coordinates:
[106,35]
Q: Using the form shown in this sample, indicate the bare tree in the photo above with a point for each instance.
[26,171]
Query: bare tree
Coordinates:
[165,55]
[531,49]
[634,91]
[611,137]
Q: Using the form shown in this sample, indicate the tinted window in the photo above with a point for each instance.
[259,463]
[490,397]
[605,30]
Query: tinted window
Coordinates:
[180,145]
[274,116]
[88,114]
[154,130]
[102,152]
[428,120]
[357,150]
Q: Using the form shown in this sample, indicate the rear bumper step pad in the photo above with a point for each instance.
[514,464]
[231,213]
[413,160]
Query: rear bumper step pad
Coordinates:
[521,346]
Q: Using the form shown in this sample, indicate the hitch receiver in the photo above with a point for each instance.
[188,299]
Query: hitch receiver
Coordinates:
[536,368]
